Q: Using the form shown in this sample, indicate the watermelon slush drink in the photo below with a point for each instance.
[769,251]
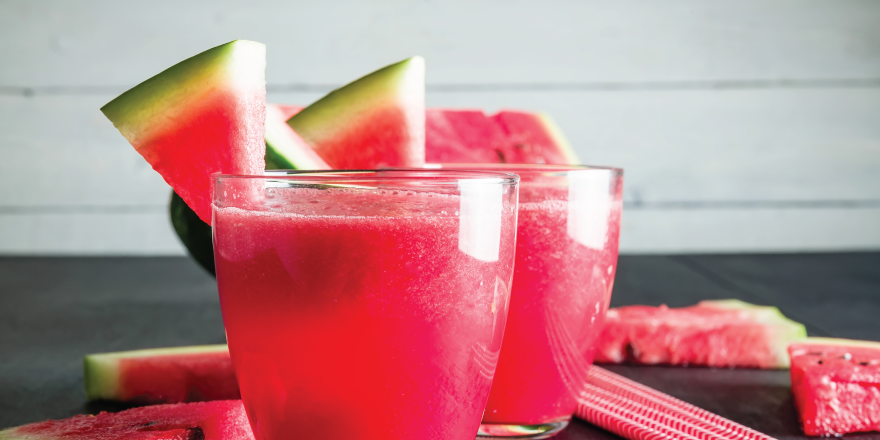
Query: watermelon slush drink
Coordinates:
[566,258]
[365,305]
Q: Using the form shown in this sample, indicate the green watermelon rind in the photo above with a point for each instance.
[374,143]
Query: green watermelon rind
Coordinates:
[195,234]
[13,434]
[101,370]
[838,342]
[331,114]
[788,331]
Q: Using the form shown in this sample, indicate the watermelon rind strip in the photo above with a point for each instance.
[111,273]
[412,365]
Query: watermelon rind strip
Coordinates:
[101,370]
[839,342]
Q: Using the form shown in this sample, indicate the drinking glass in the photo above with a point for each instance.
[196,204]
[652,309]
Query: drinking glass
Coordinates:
[566,258]
[365,304]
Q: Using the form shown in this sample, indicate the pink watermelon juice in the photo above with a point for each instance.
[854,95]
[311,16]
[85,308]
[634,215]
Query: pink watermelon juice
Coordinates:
[566,258]
[373,310]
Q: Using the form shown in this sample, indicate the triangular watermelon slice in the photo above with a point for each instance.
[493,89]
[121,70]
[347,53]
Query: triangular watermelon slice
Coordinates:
[161,375]
[218,420]
[285,149]
[836,385]
[376,121]
[469,136]
[204,115]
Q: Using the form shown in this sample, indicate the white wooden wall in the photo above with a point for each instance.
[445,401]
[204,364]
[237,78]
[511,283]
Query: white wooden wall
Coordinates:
[743,125]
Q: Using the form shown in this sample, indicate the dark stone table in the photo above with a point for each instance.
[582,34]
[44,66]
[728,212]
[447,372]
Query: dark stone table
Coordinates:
[55,310]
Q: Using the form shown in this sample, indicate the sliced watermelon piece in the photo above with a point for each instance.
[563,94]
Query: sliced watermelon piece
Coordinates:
[285,149]
[376,121]
[204,115]
[836,385]
[162,375]
[469,136]
[728,333]
[219,420]
[462,136]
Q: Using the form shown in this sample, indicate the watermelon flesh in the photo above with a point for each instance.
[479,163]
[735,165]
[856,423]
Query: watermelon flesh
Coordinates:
[374,122]
[218,420]
[469,136]
[836,385]
[204,115]
[164,375]
[727,333]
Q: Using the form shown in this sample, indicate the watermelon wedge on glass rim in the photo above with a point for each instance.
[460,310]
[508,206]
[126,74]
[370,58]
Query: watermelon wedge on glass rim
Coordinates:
[217,420]
[376,121]
[204,115]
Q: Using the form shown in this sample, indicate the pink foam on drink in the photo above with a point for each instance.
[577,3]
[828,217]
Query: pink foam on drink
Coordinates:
[353,316]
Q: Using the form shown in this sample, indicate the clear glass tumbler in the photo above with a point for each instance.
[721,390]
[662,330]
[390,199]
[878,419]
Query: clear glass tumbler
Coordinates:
[365,304]
[566,258]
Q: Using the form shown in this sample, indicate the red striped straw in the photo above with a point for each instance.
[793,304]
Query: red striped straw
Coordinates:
[637,412]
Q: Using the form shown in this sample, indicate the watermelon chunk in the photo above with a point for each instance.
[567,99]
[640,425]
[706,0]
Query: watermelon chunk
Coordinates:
[218,420]
[163,375]
[469,136]
[836,385]
[204,115]
[376,121]
[728,333]
[285,149]
[463,136]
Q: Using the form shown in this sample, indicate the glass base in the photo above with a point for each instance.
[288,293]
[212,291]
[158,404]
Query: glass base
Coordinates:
[532,432]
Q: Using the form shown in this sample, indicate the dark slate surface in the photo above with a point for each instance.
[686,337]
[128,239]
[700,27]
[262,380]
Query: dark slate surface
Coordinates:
[54,310]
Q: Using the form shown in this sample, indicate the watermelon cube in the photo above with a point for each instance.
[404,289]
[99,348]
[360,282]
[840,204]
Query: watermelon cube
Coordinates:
[836,385]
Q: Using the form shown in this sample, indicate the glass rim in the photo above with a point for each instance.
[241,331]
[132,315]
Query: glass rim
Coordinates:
[518,168]
[427,176]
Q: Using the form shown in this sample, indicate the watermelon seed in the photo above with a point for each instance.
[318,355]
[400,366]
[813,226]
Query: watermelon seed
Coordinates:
[195,434]
[863,363]
[820,362]
[815,353]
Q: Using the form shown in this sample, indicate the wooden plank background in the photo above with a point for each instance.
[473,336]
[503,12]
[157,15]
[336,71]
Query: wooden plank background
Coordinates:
[742,125]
